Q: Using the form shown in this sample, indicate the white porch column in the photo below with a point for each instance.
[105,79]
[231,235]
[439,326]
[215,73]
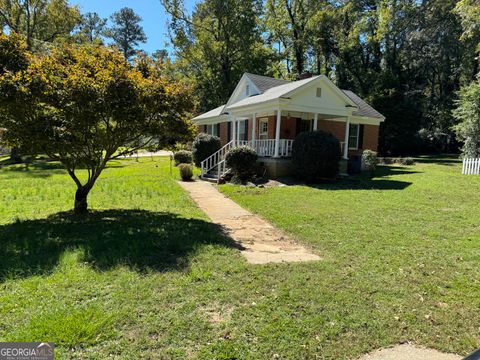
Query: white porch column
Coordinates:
[277,133]
[347,135]
[234,130]
[254,129]
[315,122]
[237,125]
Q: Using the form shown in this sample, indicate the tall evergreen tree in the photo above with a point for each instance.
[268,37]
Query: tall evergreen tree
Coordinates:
[126,31]
[92,28]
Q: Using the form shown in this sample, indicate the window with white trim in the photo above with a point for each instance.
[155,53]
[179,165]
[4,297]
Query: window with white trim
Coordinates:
[213,130]
[263,129]
[247,90]
[354,136]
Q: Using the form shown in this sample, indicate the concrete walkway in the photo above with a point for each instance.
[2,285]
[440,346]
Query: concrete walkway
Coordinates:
[408,352]
[260,242]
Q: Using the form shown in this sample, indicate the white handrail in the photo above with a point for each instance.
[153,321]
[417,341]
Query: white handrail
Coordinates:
[222,169]
[213,160]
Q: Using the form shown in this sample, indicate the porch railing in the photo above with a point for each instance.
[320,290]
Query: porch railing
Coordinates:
[266,147]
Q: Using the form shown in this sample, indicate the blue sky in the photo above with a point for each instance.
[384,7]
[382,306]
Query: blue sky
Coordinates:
[151,11]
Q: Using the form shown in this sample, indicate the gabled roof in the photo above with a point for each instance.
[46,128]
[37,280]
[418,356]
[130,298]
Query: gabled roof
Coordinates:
[286,90]
[212,113]
[264,83]
[271,89]
[364,109]
[273,93]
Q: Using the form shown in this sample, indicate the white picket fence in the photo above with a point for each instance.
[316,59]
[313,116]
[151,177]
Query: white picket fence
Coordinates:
[471,166]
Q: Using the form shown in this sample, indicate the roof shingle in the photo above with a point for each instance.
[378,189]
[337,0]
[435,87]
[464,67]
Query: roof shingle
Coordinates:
[263,83]
[364,109]
[212,113]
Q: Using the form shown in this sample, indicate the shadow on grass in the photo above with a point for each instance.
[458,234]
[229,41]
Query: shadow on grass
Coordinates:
[46,168]
[362,181]
[439,160]
[141,240]
[390,170]
[363,184]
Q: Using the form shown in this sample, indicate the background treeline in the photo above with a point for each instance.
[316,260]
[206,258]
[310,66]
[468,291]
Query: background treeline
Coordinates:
[408,58]
[415,61]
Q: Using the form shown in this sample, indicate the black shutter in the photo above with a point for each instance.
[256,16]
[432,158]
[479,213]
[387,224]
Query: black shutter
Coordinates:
[218,129]
[229,126]
[298,126]
[360,136]
[246,130]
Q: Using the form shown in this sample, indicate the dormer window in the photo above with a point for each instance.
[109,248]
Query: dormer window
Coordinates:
[247,91]
[319,92]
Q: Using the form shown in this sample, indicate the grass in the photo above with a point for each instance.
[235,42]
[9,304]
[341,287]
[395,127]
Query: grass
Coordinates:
[146,275]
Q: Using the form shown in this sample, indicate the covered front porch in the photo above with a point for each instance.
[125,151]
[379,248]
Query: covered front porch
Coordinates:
[271,133]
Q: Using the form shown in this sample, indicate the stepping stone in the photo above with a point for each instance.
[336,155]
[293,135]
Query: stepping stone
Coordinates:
[408,352]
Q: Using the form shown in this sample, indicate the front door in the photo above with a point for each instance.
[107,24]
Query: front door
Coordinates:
[304,125]
[263,129]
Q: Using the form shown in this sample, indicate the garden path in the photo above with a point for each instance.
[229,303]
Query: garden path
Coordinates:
[260,242]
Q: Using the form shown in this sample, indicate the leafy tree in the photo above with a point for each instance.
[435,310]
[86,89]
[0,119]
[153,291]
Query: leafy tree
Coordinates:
[469,13]
[468,107]
[287,21]
[13,54]
[84,106]
[216,44]
[92,28]
[13,58]
[468,115]
[39,20]
[126,31]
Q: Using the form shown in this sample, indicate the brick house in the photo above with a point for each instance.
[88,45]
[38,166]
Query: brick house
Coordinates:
[268,114]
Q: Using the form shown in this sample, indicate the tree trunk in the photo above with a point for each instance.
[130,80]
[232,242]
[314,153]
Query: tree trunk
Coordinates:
[81,205]
[15,157]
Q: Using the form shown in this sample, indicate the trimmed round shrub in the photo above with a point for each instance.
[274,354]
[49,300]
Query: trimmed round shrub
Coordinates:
[204,146]
[316,156]
[182,157]
[370,161]
[186,171]
[241,161]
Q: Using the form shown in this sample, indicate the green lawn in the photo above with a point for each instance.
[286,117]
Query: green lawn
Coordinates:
[147,276]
